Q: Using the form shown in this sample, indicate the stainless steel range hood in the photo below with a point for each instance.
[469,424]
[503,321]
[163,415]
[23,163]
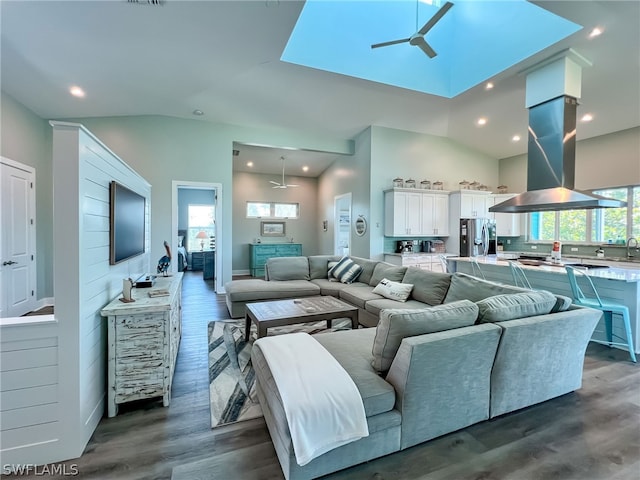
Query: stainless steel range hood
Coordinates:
[551,161]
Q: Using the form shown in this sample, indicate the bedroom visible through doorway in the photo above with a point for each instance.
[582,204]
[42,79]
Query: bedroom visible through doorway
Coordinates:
[195,223]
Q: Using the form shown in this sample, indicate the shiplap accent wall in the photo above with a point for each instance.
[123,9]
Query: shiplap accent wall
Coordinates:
[50,413]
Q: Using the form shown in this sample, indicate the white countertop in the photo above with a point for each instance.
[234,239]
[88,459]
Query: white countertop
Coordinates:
[418,254]
[612,273]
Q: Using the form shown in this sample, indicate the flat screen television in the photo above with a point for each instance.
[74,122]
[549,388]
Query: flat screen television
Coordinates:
[126,223]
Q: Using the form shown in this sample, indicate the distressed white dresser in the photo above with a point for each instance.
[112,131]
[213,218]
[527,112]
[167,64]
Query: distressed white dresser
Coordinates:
[143,341]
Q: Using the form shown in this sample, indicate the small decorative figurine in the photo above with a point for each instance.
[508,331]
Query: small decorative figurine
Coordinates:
[165,261]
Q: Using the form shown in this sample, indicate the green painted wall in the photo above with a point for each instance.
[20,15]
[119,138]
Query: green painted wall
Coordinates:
[26,138]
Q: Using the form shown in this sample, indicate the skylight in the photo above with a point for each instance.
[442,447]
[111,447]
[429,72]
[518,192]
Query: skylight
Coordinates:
[475,40]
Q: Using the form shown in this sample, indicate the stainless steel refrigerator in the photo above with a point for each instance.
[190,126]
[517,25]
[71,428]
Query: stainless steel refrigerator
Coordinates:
[475,236]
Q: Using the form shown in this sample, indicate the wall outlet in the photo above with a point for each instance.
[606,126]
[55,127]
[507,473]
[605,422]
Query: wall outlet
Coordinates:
[508,241]
[534,247]
[574,249]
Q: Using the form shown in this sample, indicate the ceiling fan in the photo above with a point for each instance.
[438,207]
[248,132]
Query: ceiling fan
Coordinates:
[283,184]
[417,38]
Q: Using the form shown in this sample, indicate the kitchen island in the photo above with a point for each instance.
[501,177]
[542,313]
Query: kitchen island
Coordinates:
[617,284]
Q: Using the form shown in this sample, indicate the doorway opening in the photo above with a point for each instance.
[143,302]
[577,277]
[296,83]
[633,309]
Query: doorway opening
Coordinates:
[195,223]
[342,222]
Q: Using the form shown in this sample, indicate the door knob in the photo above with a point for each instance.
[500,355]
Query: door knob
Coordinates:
[10,262]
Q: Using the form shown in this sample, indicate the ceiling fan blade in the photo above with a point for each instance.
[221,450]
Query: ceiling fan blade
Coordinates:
[439,14]
[292,185]
[420,42]
[392,42]
[275,183]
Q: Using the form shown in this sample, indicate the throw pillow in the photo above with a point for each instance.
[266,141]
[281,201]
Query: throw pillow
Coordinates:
[396,324]
[393,290]
[562,304]
[346,270]
[501,308]
[330,265]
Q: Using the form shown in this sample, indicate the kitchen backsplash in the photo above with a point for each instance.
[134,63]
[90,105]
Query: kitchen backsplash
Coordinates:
[390,243]
[519,244]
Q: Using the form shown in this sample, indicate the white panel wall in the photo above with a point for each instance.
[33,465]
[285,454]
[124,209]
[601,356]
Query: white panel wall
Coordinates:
[29,391]
[53,373]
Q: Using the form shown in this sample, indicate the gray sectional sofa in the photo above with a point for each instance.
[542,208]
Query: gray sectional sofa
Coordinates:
[460,351]
[294,277]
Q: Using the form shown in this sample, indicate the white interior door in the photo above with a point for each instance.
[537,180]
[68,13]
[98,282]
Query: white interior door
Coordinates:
[17,239]
[342,222]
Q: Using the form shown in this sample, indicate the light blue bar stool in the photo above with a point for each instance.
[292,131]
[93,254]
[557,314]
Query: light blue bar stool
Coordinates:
[608,308]
[519,277]
[444,263]
[476,266]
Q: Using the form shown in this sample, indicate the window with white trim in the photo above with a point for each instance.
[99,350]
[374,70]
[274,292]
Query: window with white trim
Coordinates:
[602,225]
[201,218]
[272,210]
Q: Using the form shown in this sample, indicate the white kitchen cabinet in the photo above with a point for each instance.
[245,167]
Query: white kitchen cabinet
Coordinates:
[403,212]
[435,214]
[415,212]
[470,204]
[418,260]
[507,224]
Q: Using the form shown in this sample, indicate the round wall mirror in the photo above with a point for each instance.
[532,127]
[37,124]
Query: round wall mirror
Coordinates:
[361,226]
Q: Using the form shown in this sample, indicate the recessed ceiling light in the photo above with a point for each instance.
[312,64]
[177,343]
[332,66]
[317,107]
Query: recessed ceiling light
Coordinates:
[481,121]
[488,86]
[587,117]
[198,113]
[76,91]
[515,138]
[305,169]
[249,164]
[595,32]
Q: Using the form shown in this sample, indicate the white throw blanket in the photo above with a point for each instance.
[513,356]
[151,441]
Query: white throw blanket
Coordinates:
[323,406]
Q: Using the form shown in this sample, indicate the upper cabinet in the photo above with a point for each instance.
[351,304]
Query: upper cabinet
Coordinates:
[507,224]
[435,214]
[410,211]
[470,204]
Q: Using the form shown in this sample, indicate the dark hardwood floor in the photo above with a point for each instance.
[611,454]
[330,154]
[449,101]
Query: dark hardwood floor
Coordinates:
[591,434]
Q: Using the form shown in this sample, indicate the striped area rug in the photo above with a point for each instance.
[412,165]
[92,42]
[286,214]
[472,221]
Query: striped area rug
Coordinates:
[231,376]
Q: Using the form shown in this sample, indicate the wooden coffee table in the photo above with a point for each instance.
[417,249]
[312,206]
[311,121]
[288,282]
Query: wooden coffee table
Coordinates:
[276,313]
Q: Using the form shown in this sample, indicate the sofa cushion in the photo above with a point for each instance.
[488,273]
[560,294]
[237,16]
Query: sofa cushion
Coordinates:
[393,290]
[388,271]
[318,265]
[501,308]
[367,268]
[352,349]
[428,287]
[328,287]
[258,289]
[358,294]
[287,268]
[467,287]
[396,324]
[346,270]
[376,306]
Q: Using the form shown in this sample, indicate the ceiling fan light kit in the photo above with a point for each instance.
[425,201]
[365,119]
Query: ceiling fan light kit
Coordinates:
[417,39]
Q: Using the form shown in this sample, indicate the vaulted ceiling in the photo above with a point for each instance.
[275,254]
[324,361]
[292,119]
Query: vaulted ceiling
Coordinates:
[223,58]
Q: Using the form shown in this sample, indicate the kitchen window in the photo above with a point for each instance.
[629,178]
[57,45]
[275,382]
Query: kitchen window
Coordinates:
[272,210]
[603,225]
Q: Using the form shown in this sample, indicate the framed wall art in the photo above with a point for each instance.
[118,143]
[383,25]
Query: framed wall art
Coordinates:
[272,229]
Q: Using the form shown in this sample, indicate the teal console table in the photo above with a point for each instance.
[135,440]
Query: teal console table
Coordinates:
[260,252]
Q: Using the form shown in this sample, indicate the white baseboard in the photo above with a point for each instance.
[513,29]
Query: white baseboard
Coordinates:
[241,272]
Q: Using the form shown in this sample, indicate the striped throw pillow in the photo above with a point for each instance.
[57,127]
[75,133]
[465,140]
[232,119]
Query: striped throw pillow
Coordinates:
[346,270]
